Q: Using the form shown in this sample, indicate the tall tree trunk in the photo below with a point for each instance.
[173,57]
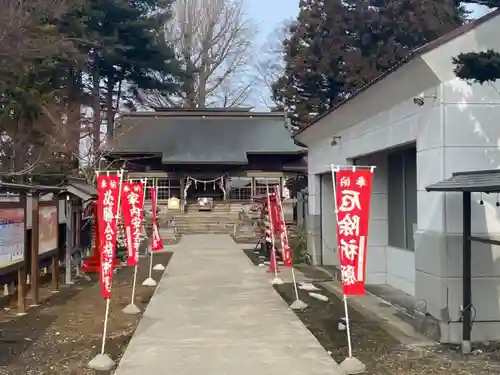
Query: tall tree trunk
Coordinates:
[74,116]
[20,151]
[96,108]
[110,111]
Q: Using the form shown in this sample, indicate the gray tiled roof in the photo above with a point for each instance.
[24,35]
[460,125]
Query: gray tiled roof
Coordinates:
[487,181]
[211,138]
[81,189]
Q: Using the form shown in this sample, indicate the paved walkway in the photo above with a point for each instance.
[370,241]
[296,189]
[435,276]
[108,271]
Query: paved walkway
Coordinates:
[214,313]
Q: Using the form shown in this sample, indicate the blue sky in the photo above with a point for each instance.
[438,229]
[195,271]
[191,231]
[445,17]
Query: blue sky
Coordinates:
[268,14]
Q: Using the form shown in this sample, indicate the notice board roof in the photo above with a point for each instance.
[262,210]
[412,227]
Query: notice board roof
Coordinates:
[17,188]
[485,181]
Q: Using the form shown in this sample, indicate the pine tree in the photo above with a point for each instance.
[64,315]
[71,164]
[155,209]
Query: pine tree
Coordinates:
[313,79]
[479,67]
[383,32]
[339,46]
[125,46]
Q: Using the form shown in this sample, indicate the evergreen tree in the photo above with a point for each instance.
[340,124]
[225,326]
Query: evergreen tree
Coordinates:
[479,67]
[125,45]
[313,79]
[339,46]
[385,31]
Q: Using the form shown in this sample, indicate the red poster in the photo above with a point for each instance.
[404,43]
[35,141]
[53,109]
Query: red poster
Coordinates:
[353,193]
[157,242]
[108,191]
[133,213]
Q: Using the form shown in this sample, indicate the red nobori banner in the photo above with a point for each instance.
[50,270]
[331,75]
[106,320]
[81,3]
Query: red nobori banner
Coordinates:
[353,193]
[133,213]
[108,192]
[157,242]
[275,214]
[286,252]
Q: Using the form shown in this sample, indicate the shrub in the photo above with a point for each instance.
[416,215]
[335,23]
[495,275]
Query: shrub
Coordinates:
[299,244]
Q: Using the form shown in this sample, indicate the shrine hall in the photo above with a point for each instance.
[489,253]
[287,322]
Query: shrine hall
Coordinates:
[222,154]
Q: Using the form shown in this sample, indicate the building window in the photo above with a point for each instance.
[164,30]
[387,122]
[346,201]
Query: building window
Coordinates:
[240,188]
[168,188]
[150,182]
[402,198]
[261,183]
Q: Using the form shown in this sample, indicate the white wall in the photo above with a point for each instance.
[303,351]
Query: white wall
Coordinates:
[455,131]
[329,254]
[470,141]
[403,124]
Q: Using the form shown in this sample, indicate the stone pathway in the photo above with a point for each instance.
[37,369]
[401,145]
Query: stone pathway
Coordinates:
[214,313]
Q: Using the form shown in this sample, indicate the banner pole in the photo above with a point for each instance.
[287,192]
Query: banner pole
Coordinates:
[103,362]
[159,266]
[105,330]
[297,304]
[150,281]
[118,212]
[348,326]
[350,365]
[151,264]
[273,261]
[132,308]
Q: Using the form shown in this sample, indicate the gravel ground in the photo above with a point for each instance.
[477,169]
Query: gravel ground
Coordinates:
[64,332]
[380,351]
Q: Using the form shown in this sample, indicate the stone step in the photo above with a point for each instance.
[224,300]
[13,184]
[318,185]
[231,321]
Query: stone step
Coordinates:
[179,218]
[205,225]
[196,222]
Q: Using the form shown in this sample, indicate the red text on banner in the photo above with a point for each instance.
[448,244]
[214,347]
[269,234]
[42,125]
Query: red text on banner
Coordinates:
[108,191]
[353,193]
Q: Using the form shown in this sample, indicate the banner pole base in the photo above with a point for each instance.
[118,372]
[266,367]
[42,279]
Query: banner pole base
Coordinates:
[298,305]
[352,365]
[131,309]
[159,267]
[101,362]
[149,282]
[277,281]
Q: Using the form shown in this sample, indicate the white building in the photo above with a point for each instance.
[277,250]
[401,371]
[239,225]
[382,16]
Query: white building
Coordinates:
[415,236]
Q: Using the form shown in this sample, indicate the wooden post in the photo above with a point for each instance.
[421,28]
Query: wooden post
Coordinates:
[21,272]
[35,234]
[78,226]
[21,291]
[55,257]
[55,273]
[69,241]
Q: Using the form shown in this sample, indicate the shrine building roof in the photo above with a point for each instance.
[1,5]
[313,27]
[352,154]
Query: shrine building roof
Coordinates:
[203,136]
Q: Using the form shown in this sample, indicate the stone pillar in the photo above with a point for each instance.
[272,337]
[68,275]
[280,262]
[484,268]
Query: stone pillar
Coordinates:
[181,194]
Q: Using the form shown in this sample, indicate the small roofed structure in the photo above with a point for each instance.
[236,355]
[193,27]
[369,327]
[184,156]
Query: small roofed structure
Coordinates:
[7,187]
[80,188]
[485,181]
[20,256]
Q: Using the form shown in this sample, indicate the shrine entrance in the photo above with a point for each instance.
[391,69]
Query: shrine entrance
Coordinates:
[195,188]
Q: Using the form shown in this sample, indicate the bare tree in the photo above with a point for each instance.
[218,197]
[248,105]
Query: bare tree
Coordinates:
[270,65]
[214,39]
